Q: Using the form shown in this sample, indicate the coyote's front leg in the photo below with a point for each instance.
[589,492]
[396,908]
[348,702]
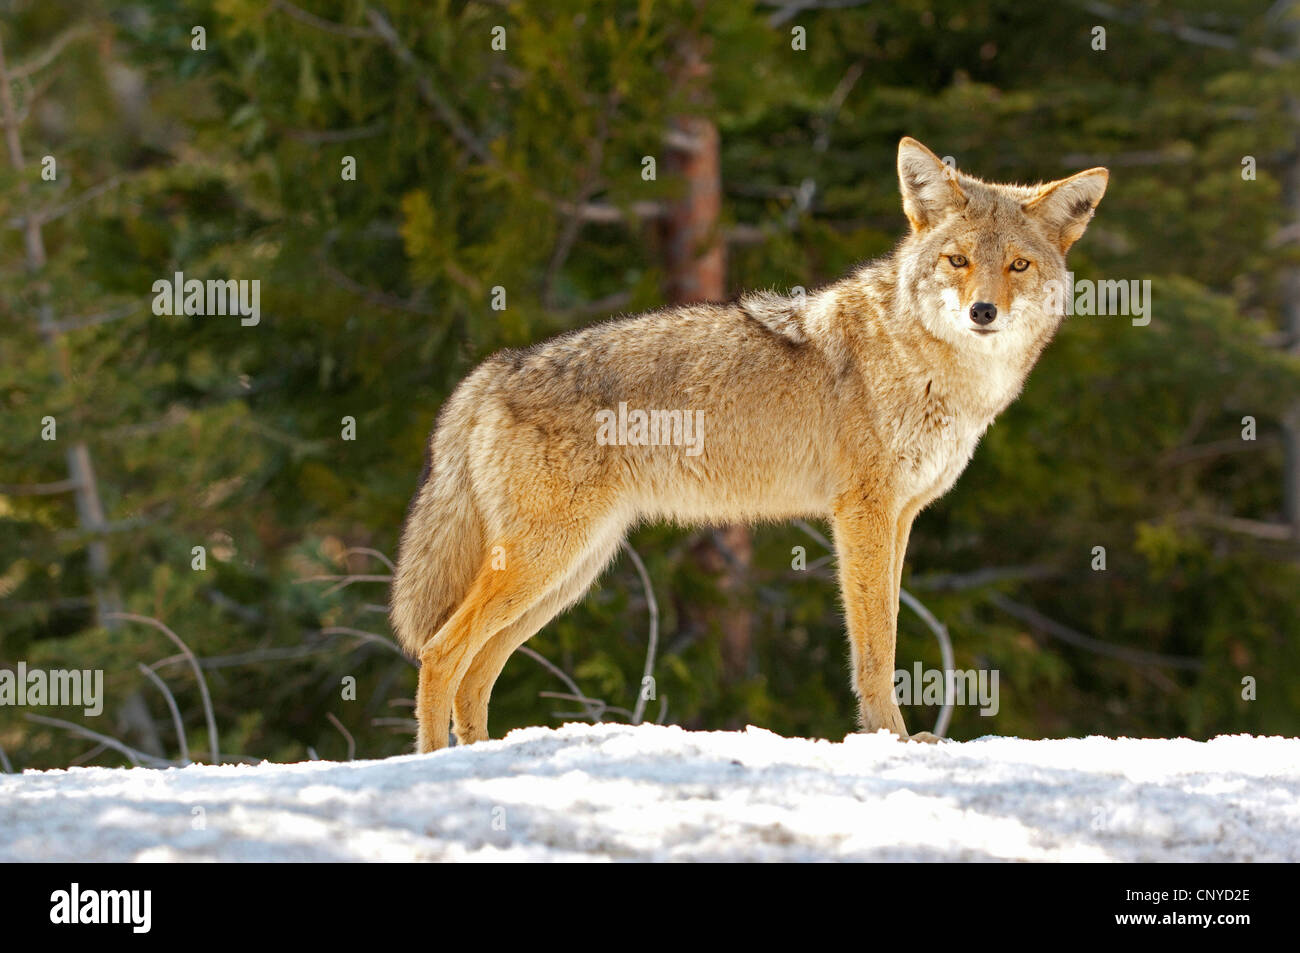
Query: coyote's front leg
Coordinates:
[865,540]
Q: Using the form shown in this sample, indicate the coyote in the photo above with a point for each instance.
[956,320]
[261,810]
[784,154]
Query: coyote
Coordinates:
[861,402]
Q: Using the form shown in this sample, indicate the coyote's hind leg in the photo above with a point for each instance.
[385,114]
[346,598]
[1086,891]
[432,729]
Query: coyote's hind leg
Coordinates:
[470,709]
[497,598]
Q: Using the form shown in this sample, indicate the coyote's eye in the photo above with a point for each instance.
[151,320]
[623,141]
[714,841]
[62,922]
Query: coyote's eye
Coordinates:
[958,261]
[1020,264]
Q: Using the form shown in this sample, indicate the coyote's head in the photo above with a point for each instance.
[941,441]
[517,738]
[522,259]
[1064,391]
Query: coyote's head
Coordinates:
[984,266]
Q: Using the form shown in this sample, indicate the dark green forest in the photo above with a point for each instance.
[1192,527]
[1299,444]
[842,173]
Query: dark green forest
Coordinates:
[416,185]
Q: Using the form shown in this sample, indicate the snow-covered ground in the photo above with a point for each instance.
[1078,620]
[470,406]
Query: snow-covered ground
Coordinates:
[613,792]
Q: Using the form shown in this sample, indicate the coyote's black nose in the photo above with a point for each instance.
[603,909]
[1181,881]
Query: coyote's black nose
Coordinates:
[981,312]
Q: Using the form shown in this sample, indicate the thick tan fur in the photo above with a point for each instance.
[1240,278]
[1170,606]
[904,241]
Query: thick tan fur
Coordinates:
[861,402]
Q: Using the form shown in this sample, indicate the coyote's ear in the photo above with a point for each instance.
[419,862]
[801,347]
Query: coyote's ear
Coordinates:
[1066,207]
[929,186]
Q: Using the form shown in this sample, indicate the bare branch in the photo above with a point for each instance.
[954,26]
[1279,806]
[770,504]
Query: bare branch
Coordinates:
[172,707]
[255,657]
[134,756]
[1218,448]
[450,118]
[57,211]
[90,508]
[652,645]
[228,758]
[1134,157]
[175,415]
[91,320]
[368,637]
[50,53]
[297,444]
[344,581]
[601,707]
[194,663]
[1188,34]
[1260,529]
[34,94]
[408,725]
[606,305]
[1042,623]
[601,214]
[373,295]
[238,609]
[743,234]
[367,551]
[590,186]
[814,533]
[560,674]
[599,704]
[93,752]
[318,137]
[945,652]
[789,9]
[38,489]
[320,23]
[352,743]
[460,130]
[952,582]
[804,194]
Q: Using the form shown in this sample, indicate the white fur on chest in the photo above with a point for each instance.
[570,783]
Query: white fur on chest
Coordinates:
[933,444]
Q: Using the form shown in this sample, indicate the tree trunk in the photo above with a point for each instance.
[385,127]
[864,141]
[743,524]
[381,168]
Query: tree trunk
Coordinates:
[90,511]
[1291,297]
[695,267]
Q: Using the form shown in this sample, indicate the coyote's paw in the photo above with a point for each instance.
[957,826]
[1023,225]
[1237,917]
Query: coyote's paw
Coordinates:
[927,738]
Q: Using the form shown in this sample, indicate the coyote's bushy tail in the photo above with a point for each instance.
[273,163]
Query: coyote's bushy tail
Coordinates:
[442,545]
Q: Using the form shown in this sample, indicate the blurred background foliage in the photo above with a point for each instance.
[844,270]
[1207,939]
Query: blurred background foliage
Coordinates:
[376,299]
